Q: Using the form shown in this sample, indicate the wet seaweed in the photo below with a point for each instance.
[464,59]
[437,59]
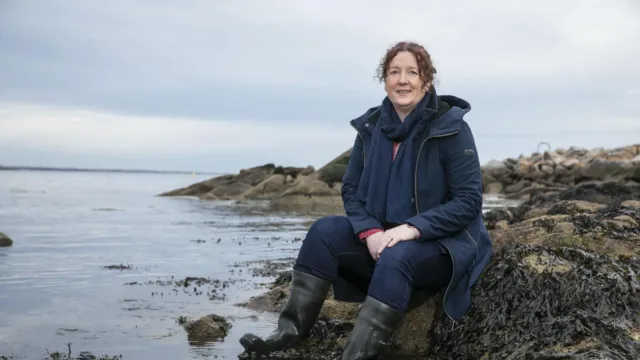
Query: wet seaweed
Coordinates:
[587,310]
[324,342]
[607,193]
[546,223]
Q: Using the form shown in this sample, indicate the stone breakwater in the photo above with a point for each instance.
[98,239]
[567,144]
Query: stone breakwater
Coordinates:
[563,284]
[318,191]
[559,169]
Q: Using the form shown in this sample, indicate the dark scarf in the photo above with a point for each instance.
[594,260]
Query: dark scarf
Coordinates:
[386,185]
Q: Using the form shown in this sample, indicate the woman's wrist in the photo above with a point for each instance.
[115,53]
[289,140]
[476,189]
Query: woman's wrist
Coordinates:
[416,232]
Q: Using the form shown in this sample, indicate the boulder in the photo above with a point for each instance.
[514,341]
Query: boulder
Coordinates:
[309,195]
[554,303]
[601,169]
[274,185]
[231,191]
[334,171]
[5,241]
[493,188]
[208,328]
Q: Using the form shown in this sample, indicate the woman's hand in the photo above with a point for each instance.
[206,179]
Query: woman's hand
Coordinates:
[373,244]
[399,233]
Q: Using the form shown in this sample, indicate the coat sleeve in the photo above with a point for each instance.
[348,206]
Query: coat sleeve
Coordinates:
[358,217]
[462,167]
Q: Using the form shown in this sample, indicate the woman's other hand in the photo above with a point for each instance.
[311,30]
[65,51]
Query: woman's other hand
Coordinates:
[374,242]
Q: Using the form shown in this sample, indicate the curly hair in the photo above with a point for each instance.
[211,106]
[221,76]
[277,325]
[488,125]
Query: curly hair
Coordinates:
[427,70]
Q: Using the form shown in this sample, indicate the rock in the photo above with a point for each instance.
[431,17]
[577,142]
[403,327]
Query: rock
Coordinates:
[492,217]
[600,169]
[208,196]
[310,205]
[546,309]
[587,216]
[227,187]
[274,185]
[334,171]
[625,221]
[620,154]
[309,195]
[231,191]
[559,168]
[412,335]
[5,241]
[542,263]
[570,163]
[517,187]
[307,171]
[632,204]
[547,169]
[493,188]
[208,328]
[502,225]
[309,186]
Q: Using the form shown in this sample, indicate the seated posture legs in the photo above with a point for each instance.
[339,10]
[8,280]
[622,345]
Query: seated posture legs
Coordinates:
[331,251]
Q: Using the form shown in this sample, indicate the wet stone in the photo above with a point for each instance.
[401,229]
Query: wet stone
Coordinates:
[206,329]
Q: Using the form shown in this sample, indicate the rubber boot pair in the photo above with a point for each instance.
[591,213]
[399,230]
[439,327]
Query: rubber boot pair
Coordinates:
[373,328]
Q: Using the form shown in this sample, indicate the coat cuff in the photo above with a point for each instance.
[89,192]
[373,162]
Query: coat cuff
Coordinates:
[365,234]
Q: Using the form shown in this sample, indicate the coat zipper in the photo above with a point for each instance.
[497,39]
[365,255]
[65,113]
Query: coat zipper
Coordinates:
[474,243]
[415,184]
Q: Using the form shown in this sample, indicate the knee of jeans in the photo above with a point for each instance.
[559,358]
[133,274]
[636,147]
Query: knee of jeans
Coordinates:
[329,228]
[396,257]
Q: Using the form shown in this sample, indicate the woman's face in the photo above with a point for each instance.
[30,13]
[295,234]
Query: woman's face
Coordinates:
[402,83]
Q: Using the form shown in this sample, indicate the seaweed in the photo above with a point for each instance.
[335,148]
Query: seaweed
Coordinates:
[573,305]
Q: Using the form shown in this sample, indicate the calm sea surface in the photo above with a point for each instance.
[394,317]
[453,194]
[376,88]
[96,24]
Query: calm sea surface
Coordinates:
[67,226]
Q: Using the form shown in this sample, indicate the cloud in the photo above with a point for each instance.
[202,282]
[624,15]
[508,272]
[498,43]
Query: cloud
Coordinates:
[528,68]
[47,129]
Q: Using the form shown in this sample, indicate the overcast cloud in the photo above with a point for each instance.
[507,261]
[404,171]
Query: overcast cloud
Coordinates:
[223,85]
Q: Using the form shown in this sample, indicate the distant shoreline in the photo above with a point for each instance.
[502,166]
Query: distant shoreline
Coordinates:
[132,171]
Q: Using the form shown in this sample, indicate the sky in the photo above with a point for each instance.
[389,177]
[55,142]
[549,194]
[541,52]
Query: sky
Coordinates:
[218,86]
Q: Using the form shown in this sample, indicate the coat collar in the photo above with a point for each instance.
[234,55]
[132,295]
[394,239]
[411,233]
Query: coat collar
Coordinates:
[444,115]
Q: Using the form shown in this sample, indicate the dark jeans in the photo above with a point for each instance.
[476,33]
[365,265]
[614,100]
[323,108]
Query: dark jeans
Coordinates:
[331,249]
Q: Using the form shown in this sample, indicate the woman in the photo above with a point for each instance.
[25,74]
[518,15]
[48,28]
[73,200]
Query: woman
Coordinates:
[413,199]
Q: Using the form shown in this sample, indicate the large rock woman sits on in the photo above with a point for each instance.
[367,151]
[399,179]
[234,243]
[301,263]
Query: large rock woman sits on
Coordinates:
[413,200]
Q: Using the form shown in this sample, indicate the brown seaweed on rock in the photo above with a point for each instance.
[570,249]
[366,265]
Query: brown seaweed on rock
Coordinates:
[537,302]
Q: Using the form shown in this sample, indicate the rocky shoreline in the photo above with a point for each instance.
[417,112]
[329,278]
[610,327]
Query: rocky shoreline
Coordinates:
[563,284]
[312,191]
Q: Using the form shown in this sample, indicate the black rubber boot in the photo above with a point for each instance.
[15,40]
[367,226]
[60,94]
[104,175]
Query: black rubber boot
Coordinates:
[374,326]
[306,297]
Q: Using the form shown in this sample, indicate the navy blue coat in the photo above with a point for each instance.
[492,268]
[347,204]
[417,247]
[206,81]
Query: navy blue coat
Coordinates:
[447,193]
